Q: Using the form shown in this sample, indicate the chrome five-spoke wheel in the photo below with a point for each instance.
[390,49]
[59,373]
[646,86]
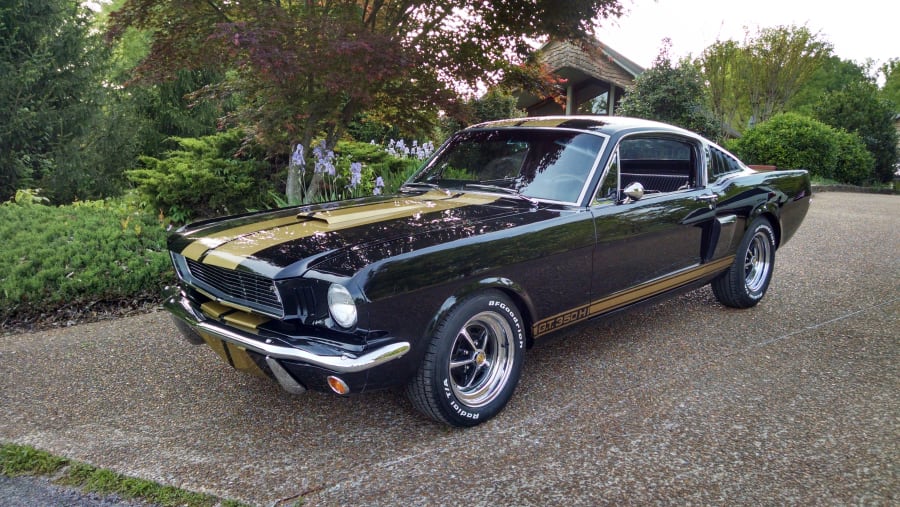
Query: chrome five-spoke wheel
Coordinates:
[473,362]
[747,279]
[758,262]
[481,359]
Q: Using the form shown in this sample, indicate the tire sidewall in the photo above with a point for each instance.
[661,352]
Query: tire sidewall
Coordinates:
[452,408]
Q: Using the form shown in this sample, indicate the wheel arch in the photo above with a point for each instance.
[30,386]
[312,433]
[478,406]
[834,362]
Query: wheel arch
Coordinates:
[515,292]
[769,211]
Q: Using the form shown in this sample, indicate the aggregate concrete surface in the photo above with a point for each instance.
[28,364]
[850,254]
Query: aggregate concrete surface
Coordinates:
[794,401]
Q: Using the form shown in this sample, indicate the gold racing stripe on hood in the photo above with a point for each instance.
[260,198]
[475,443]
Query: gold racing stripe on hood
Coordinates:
[230,254]
[196,249]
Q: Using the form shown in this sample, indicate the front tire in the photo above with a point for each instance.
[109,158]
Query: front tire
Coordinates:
[747,279]
[473,363]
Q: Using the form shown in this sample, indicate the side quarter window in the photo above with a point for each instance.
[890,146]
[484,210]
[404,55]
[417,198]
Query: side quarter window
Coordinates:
[608,193]
[720,164]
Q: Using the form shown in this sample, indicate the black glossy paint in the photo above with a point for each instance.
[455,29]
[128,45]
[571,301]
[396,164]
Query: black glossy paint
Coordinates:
[555,261]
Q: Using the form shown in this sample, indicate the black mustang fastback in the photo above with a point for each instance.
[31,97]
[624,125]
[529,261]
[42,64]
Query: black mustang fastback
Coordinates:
[513,230]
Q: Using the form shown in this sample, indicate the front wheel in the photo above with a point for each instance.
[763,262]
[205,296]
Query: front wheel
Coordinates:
[747,279]
[473,362]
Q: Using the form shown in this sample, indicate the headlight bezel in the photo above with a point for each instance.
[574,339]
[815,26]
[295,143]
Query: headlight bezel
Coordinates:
[341,306]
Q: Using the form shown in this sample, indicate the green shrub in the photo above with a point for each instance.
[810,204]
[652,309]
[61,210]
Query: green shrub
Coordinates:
[793,141]
[204,178]
[377,158]
[855,164]
[87,251]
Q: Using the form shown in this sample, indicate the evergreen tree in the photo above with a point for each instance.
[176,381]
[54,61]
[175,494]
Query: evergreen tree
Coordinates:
[50,60]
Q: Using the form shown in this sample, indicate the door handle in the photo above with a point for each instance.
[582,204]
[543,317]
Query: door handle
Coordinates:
[710,199]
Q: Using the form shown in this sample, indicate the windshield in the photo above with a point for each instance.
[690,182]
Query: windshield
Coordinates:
[540,164]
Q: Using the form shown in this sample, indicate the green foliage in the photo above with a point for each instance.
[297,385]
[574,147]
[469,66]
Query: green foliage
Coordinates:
[792,141]
[859,109]
[891,88]
[779,61]
[670,93]
[305,70]
[496,104]
[834,75]
[753,81]
[398,176]
[16,460]
[89,251]
[374,158]
[205,177]
[50,95]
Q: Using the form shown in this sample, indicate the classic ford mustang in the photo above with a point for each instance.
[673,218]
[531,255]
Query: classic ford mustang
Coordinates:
[513,230]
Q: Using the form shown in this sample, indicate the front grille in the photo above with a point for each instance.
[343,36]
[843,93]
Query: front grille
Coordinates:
[249,289]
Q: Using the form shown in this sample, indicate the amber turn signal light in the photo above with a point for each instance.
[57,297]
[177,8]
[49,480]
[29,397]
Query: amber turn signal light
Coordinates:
[337,385]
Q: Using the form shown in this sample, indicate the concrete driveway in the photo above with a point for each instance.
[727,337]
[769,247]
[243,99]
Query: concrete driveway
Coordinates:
[795,401]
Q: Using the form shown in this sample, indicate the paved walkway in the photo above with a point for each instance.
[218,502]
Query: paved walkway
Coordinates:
[795,401]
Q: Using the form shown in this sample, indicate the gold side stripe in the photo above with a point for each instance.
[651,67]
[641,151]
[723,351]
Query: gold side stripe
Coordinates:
[626,297]
[231,254]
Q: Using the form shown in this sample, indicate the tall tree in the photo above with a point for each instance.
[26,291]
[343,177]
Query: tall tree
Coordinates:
[49,94]
[858,108]
[308,68]
[754,80]
[891,88]
[779,62]
[720,66]
[834,74]
[672,93]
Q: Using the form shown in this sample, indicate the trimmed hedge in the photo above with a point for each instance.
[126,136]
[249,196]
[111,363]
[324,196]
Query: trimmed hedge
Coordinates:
[88,251]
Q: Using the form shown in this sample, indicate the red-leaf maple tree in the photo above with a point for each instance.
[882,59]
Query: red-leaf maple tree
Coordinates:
[305,68]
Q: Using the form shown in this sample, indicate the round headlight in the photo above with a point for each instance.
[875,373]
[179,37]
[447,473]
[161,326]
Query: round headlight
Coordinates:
[341,305]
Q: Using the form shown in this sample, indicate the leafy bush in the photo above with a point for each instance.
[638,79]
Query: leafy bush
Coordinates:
[793,141]
[397,157]
[671,93]
[206,177]
[858,108]
[353,169]
[87,251]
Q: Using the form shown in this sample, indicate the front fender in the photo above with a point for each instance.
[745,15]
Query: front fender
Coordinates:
[505,285]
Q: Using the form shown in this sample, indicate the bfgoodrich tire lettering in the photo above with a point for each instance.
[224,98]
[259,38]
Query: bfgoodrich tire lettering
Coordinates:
[747,279]
[473,362]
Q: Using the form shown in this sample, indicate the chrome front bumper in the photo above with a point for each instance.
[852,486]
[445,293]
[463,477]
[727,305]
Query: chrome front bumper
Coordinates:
[192,321]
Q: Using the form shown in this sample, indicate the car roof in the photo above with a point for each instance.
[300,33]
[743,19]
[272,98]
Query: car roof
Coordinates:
[601,124]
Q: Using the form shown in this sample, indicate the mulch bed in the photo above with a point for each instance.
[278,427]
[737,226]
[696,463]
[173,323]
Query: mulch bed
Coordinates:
[70,314]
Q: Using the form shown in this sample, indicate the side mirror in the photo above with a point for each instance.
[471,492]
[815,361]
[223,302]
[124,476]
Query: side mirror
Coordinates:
[634,191]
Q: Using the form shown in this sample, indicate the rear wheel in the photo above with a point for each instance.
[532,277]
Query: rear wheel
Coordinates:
[473,362]
[747,279]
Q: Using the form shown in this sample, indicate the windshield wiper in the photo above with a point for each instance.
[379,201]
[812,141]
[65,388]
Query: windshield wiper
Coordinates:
[498,188]
[419,184]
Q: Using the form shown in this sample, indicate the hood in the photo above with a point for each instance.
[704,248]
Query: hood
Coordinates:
[341,237]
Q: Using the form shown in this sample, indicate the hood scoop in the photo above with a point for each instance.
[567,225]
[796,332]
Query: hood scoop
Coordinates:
[357,216]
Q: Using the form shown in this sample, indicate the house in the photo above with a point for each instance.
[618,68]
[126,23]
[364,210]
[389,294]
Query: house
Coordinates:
[596,78]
